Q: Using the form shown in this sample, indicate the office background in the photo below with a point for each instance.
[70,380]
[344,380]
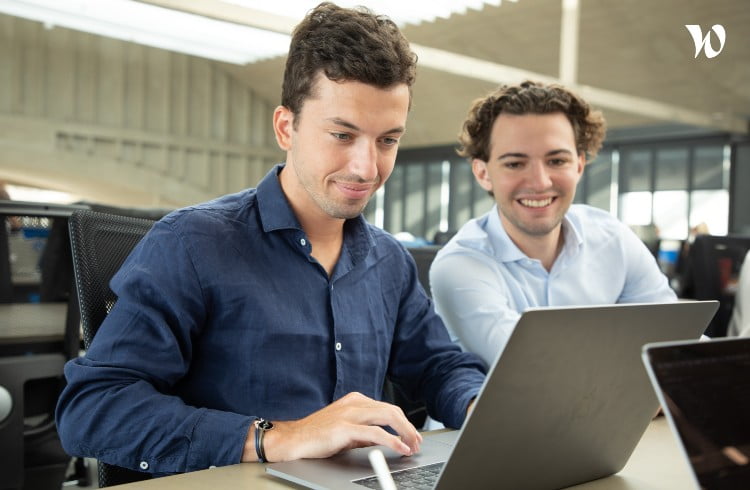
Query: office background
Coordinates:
[124,123]
[109,118]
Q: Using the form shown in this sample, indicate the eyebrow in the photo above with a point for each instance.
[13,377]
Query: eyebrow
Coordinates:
[524,155]
[341,122]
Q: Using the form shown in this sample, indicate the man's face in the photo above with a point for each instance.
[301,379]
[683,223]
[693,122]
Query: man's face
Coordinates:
[343,147]
[533,170]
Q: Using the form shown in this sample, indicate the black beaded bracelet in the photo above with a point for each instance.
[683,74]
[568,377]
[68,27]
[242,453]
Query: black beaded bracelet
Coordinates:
[261,426]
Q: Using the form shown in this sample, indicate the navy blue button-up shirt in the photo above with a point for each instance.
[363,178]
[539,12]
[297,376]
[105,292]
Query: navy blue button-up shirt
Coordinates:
[224,316]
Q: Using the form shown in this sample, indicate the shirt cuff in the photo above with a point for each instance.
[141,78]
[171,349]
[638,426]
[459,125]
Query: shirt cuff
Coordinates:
[218,439]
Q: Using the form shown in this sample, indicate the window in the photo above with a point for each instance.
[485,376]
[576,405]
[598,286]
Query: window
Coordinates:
[673,185]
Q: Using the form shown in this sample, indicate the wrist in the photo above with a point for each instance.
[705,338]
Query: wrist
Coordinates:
[277,445]
[248,450]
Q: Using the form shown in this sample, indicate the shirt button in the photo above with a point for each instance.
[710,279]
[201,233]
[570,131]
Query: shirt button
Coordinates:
[143,465]
[338,345]
[302,242]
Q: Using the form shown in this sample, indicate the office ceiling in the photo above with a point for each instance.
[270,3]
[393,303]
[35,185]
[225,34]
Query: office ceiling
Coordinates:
[635,60]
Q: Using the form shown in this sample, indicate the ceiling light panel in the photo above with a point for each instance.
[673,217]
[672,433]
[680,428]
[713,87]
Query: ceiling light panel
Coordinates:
[154,26]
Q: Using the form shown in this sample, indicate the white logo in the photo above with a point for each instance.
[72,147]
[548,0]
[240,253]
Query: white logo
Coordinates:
[704,43]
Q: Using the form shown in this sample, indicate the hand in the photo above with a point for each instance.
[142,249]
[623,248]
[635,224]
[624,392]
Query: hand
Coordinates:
[471,406]
[352,421]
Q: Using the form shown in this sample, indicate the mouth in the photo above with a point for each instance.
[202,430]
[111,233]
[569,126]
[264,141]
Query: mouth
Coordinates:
[536,203]
[354,190]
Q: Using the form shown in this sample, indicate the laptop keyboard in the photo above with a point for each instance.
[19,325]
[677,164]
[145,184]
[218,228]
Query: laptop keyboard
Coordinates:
[421,477]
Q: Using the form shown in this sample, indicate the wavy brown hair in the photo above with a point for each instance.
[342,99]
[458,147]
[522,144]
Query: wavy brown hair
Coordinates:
[530,97]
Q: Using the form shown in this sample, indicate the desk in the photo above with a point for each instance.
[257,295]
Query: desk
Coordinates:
[656,464]
[32,322]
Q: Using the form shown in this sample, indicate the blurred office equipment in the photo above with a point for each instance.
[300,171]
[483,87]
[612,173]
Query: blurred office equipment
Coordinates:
[100,244]
[711,271]
[703,390]
[37,335]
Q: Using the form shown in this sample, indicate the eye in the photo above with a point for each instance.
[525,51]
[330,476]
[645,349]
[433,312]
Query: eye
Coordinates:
[342,136]
[558,162]
[389,141]
[513,165]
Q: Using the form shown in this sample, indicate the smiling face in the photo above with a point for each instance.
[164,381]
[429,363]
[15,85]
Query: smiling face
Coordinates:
[342,147]
[533,170]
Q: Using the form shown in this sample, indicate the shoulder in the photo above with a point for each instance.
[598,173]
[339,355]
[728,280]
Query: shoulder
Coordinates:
[471,240]
[220,214]
[590,214]
[385,244]
[591,222]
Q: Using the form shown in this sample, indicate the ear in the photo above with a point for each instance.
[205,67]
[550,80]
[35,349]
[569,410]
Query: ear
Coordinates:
[581,163]
[479,167]
[283,127]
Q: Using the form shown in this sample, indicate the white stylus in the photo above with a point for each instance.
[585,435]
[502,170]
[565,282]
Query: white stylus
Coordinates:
[377,460]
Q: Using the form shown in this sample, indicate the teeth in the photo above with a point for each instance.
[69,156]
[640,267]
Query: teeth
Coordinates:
[536,204]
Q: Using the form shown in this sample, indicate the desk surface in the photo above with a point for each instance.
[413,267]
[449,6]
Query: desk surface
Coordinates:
[656,464]
[32,322]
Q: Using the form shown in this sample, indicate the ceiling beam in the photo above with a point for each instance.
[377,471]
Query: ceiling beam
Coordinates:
[607,99]
[467,66]
[569,23]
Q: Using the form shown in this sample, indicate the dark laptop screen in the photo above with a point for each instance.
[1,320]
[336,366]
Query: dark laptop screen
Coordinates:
[706,387]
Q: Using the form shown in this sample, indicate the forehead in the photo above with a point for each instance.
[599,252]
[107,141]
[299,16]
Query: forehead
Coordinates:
[357,102]
[511,132]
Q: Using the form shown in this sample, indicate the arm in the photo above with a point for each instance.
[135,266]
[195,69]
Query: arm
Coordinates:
[474,301]
[351,421]
[425,362]
[119,404]
[644,281]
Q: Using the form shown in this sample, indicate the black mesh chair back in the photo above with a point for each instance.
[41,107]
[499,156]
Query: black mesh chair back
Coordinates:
[100,243]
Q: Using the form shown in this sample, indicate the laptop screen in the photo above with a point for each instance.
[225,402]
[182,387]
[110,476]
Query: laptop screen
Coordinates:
[705,390]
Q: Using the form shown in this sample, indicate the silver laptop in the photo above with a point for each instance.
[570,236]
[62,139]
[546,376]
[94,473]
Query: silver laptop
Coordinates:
[704,389]
[566,403]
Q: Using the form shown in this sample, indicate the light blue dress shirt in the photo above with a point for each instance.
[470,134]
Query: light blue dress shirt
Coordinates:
[482,282]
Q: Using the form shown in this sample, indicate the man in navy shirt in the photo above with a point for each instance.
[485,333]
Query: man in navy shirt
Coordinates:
[262,325]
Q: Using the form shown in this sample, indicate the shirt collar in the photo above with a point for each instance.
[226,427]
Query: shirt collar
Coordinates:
[507,251]
[502,246]
[273,207]
[276,214]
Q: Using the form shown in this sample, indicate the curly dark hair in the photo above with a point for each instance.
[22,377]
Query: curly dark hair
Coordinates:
[345,45]
[530,97]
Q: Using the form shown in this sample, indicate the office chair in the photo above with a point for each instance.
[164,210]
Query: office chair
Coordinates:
[713,263]
[424,256]
[100,243]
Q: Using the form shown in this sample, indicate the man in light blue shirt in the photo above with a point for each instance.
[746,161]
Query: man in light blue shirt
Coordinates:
[527,145]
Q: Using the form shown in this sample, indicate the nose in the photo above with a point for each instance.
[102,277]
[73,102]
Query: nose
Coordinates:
[538,176]
[363,161]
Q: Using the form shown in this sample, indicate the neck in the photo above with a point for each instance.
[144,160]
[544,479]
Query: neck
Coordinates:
[544,248]
[325,233]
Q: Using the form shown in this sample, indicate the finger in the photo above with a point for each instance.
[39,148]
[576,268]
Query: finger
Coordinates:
[368,435]
[362,410]
[385,414]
